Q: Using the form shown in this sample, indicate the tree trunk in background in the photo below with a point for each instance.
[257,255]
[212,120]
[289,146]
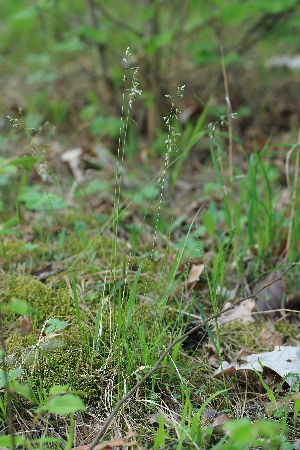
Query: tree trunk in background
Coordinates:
[103,63]
[152,71]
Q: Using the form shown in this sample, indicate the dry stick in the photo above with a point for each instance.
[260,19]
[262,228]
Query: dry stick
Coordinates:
[294,197]
[161,358]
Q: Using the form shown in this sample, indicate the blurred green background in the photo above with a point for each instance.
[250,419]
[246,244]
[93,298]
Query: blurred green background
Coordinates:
[63,62]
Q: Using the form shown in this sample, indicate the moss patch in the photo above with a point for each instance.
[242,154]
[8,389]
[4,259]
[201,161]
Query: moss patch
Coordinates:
[12,252]
[42,297]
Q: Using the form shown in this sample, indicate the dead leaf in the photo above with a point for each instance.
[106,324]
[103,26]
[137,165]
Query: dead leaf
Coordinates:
[273,406]
[269,337]
[212,355]
[43,273]
[292,301]
[74,159]
[283,360]
[271,297]
[241,312]
[186,264]
[108,445]
[220,420]
[216,419]
[26,327]
[97,157]
[194,273]
[225,369]
[195,269]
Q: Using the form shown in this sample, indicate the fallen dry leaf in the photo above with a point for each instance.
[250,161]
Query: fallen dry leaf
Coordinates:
[283,360]
[271,297]
[292,301]
[43,273]
[74,159]
[26,327]
[212,355]
[273,406]
[220,420]
[194,273]
[108,445]
[195,268]
[242,312]
[269,337]
[215,417]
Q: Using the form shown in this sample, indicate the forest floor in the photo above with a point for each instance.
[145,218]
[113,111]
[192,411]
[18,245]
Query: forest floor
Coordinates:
[112,247]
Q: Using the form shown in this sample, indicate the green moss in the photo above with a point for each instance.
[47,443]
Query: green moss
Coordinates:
[73,366]
[42,297]
[71,245]
[15,343]
[12,252]
[286,329]
[57,360]
[239,335]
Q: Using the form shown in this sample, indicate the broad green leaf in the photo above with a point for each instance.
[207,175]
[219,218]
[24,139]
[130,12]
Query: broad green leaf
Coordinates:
[241,431]
[10,223]
[30,246]
[57,389]
[267,428]
[65,404]
[102,125]
[55,323]
[276,6]
[41,201]
[7,227]
[5,441]
[31,12]
[18,306]
[26,162]
[24,390]
[12,374]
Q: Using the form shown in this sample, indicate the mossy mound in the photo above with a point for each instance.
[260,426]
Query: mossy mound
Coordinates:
[12,252]
[42,297]
[57,360]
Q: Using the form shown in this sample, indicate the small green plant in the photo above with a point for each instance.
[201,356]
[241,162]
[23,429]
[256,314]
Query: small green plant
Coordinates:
[261,434]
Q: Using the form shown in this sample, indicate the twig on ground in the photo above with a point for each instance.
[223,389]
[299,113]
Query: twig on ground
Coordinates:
[165,353]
